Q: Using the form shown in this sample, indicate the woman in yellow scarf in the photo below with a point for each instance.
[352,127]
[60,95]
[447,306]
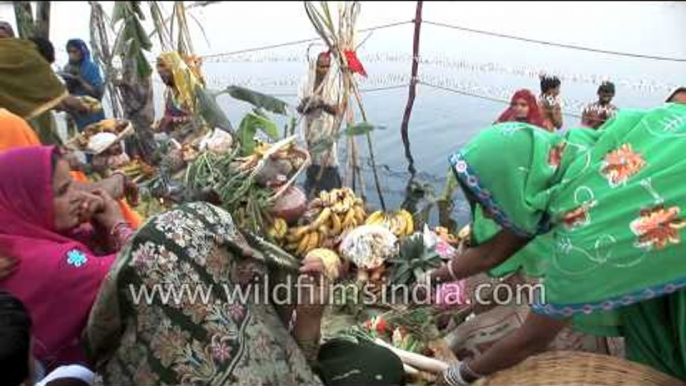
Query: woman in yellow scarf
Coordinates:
[181,100]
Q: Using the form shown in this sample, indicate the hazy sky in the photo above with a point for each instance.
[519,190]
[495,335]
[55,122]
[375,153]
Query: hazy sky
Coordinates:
[235,25]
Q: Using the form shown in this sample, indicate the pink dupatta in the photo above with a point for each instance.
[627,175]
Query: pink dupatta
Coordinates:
[58,277]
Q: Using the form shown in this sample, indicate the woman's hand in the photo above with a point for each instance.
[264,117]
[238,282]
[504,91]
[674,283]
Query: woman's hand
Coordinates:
[110,213]
[131,192]
[313,293]
[90,205]
[8,265]
[74,105]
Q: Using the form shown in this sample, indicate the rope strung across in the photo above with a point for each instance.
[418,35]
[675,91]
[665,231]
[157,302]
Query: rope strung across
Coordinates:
[548,43]
[297,42]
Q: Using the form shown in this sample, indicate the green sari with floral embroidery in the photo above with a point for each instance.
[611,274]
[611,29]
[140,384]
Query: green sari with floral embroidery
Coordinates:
[213,340]
[603,209]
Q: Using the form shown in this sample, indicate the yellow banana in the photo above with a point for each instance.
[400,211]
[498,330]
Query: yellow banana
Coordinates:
[336,224]
[348,203]
[360,215]
[300,231]
[397,225]
[283,227]
[332,198]
[324,231]
[330,260]
[303,244]
[409,229]
[273,233]
[322,218]
[291,247]
[292,238]
[324,196]
[338,207]
[313,241]
[375,218]
[349,220]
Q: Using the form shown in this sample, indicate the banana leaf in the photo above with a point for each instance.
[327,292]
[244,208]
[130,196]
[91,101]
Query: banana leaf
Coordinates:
[248,129]
[256,99]
[211,112]
[119,11]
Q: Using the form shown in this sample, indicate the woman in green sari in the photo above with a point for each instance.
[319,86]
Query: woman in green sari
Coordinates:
[597,214]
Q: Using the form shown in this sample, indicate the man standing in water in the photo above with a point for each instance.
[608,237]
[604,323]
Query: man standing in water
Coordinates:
[595,114]
[549,102]
[320,104]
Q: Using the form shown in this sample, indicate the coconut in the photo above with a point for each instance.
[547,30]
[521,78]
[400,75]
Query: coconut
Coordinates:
[101,141]
[369,246]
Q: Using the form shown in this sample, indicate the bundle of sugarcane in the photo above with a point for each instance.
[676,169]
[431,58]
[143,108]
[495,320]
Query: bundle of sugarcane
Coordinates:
[340,38]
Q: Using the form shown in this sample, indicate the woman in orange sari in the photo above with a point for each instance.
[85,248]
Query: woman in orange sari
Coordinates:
[16,132]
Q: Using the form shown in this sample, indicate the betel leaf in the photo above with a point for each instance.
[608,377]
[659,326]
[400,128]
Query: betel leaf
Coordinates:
[248,129]
[360,129]
[257,99]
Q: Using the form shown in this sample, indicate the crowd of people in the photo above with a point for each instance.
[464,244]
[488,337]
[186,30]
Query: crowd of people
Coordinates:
[596,213]
[546,112]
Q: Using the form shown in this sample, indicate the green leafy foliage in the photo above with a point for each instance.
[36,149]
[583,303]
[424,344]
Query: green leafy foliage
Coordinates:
[248,128]
[414,260]
[257,99]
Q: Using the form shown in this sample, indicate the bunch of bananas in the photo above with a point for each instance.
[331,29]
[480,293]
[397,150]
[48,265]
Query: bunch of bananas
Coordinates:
[116,126]
[399,222]
[327,218]
[278,230]
[287,151]
[94,105]
[138,170]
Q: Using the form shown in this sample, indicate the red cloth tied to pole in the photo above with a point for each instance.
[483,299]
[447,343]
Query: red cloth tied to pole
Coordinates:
[354,63]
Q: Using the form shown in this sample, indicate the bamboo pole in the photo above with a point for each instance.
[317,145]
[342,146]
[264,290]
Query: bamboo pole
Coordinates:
[413,88]
[42,28]
[23,12]
[370,146]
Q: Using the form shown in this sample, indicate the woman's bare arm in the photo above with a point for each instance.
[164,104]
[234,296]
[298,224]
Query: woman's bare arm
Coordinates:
[531,338]
[481,258]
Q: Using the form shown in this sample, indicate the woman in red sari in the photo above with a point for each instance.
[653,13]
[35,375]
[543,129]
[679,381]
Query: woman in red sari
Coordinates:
[523,108]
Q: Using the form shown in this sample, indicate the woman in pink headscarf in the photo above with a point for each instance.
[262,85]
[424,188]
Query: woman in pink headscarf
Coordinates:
[45,223]
[523,108]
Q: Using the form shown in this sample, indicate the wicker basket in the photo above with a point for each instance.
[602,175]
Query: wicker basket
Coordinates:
[563,368]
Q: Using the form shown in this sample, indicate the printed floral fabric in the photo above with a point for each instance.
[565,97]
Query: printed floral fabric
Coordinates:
[206,335]
[621,164]
[604,209]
